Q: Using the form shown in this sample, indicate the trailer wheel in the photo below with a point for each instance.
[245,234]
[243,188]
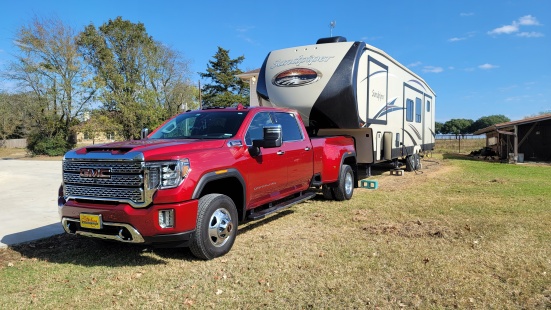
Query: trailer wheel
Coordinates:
[413,162]
[345,187]
[216,227]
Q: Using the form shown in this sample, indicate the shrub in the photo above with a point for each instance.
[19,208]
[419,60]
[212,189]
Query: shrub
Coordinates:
[40,144]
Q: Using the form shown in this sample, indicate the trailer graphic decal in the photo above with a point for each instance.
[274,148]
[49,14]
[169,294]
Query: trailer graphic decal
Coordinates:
[415,131]
[296,77]
[389,107]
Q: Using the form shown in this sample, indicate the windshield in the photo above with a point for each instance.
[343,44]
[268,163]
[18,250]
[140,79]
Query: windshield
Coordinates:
[201,125]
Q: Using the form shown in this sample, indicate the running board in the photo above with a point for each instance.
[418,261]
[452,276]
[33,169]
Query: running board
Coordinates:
[280,206]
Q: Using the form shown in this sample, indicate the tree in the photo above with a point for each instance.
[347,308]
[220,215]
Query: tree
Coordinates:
[14,109]
[226,89]
[438,127]
[487,121]
[142,81]
[457,126]
[49,68]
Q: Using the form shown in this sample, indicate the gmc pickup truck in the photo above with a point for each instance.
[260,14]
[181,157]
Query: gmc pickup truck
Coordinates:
[194,179]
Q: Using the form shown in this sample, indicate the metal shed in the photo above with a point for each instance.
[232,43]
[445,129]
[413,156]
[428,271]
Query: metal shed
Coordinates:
[529,139]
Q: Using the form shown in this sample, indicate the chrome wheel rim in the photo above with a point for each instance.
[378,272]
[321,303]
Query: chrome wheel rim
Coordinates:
[348,184]
[220,227]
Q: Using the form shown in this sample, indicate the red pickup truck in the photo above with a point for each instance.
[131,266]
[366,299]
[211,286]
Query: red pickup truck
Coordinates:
[191,181]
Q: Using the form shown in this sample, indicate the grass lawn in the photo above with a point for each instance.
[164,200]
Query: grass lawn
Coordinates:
[460,233]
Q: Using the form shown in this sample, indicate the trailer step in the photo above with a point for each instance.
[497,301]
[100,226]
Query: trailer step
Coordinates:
[280,206]
[398,172]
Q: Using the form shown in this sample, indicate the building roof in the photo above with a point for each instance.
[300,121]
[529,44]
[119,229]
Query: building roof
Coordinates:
[509,125]
[249,74]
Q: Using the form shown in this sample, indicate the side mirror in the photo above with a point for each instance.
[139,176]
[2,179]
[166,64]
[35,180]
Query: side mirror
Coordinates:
[273,135]
[144,133]
[272,138]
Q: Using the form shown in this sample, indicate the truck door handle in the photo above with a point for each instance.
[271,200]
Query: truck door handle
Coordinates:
[307,148]
[280,152]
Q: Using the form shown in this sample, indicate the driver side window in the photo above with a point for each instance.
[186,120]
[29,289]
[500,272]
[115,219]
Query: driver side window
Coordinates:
[255,131]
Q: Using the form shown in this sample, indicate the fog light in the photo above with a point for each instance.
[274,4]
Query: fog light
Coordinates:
[166,218]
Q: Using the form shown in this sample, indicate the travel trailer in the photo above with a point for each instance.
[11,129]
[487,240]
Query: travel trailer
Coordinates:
[352,88]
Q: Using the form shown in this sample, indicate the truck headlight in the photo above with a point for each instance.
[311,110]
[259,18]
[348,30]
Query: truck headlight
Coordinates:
[167,174]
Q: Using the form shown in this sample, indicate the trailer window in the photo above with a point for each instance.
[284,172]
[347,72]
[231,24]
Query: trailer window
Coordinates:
[428,106]
[409,110]
[289,125]
[418,109]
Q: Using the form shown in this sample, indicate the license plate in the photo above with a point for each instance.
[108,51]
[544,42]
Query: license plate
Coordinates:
[92,221]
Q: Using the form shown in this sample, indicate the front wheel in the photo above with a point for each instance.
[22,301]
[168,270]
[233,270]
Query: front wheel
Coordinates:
[345,187]
[216,227]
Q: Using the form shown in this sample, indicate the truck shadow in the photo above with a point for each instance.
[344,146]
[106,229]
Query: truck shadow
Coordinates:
[76,250]
[248,226]
[69,249]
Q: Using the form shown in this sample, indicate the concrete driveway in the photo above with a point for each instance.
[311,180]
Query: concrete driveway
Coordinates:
[28,200]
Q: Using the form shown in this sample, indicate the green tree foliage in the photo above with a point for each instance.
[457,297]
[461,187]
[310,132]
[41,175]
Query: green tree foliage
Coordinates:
[487,121]
[438,127]
[49,68]
[142,81]
[457,126]
[225,88]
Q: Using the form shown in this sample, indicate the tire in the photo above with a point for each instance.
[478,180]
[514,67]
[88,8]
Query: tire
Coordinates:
[327,192]
[216,227]
[345,187]
[413,162]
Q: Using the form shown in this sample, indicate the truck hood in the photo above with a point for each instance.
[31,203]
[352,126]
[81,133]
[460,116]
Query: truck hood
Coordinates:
[154,149]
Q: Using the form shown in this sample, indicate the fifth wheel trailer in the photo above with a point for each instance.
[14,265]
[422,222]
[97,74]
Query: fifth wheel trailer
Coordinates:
[352,88]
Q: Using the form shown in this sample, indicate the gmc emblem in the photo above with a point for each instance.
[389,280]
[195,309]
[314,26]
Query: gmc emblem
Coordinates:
[296,77]
[96,173]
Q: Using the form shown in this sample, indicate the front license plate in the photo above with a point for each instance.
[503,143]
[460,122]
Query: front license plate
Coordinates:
[92,221]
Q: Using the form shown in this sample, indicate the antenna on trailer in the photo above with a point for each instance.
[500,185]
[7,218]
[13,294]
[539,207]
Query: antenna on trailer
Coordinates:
[331,26]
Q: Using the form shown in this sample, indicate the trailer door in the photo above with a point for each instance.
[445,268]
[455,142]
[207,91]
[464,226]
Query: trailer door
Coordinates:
[428,123]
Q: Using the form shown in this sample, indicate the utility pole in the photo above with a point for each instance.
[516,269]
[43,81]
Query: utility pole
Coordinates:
[200,99]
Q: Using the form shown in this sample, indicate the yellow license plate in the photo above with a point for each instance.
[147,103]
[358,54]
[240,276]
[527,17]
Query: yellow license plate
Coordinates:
[92,221]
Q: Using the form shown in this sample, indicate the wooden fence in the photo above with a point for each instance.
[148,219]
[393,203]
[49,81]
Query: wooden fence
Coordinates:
[14,143]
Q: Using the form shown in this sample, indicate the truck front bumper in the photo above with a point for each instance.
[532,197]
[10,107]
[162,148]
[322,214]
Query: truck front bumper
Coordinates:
[123,223]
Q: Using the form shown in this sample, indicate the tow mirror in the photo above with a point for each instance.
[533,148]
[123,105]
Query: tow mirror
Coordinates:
[144,133]
[272,138]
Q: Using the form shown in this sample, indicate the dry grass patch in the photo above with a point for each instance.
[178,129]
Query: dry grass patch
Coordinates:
[461,234]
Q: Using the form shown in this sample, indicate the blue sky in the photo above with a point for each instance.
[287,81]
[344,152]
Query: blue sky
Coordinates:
[480,57]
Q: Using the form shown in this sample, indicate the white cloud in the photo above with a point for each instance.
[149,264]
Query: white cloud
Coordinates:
[456,39]
[514,27]
[415,64]
[528,20]
[467,14]
[532,34]
[487,66]
[432,69]
[508,29]
[465,37]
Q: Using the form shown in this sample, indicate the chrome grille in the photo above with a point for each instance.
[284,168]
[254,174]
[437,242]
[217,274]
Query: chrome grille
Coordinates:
[125,181]
[116,167]
[134,194]
[115,180]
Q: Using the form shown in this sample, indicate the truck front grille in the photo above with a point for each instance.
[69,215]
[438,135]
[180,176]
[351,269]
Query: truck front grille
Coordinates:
[122,181]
